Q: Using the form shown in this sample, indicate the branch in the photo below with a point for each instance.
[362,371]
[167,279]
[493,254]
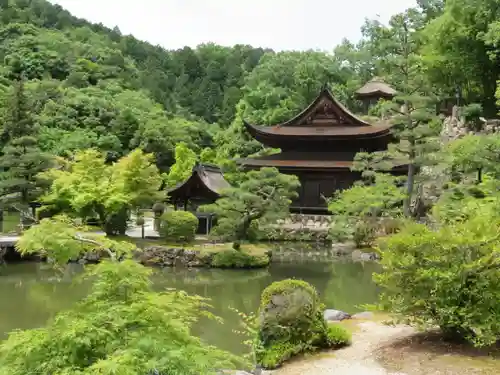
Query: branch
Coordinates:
[268,196]
[92,242]
[25,213]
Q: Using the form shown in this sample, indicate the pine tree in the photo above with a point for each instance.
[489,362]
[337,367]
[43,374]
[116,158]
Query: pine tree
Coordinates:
[21,162]
[18,121]
[413,107]
[21,159]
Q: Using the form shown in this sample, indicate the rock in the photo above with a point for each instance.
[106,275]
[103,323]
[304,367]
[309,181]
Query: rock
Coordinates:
[369,256]
[331,315]
[343,248]
[188,256]
[360,255]
[367,315]
[356,254]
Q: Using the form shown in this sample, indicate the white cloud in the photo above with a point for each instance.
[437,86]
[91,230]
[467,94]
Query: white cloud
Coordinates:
[277,24]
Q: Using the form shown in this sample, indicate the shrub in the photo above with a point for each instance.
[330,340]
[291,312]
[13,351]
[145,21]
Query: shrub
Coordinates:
[239,259]
[472,114]
[338,336]
[178,226]
[116,223]
[364,234]
[291,322]
[449,277]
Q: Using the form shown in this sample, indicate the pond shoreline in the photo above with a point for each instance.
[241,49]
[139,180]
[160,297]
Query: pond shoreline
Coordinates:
[155,253]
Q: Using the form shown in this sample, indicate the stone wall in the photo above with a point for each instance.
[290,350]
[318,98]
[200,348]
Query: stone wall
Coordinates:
[301,228]
[455,127]
[163,256]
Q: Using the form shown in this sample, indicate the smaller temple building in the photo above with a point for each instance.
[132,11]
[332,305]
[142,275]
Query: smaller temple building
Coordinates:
[203,186]
[373,91]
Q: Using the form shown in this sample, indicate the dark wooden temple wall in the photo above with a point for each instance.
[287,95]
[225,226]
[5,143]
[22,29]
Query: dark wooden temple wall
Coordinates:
[315,186]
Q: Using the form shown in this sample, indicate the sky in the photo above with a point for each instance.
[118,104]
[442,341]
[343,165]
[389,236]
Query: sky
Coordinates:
[276,24]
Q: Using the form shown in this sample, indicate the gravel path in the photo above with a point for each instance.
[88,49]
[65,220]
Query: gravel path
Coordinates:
[354,360]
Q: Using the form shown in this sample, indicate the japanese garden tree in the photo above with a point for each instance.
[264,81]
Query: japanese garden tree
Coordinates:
[413,108]
[474,154]
[91,188]
[367,209]
[262,195]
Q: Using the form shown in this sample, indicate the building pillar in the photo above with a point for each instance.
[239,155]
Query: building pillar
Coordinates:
[209,218]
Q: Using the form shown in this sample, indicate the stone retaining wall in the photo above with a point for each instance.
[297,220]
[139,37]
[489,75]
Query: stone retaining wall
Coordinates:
[163,256]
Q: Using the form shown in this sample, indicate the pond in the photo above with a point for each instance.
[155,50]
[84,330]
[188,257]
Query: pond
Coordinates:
[30,294]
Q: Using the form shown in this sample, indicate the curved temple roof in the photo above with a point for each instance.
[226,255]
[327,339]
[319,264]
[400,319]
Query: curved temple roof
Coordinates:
[376,86]
[324,118]
[208,175]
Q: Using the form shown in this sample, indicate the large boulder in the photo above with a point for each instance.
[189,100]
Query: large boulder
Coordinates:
[291,322]
[331,315]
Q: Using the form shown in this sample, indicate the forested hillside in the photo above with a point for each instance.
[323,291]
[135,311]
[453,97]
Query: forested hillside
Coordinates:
[89,86]
[84,85]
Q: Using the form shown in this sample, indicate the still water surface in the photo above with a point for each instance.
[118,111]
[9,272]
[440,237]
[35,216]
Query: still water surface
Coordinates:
[30,295]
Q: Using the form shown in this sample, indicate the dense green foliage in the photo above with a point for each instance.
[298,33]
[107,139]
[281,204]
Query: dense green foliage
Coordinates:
[291,322]
[363,211]
[447,277]
[185,160]
[92,87]
[178,226]
[120,111]
[88,187]
[121,327]
[239,258]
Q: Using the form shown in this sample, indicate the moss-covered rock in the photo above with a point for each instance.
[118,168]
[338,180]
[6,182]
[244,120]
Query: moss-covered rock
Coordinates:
[291,322]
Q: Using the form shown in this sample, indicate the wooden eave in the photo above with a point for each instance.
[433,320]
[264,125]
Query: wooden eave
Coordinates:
[275,139]
[376,93]
[309,165]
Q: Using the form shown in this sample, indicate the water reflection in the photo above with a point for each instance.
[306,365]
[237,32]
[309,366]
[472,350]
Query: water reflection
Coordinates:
[31,293]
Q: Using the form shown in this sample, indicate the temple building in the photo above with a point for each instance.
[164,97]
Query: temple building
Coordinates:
[203,186]
[373,91]
[319,145]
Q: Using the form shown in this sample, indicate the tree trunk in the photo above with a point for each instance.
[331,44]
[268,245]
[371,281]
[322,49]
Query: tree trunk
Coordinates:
[242,232]
[409,189]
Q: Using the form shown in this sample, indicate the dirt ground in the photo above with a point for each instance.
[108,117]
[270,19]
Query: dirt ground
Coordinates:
[380,349]
[423,354]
